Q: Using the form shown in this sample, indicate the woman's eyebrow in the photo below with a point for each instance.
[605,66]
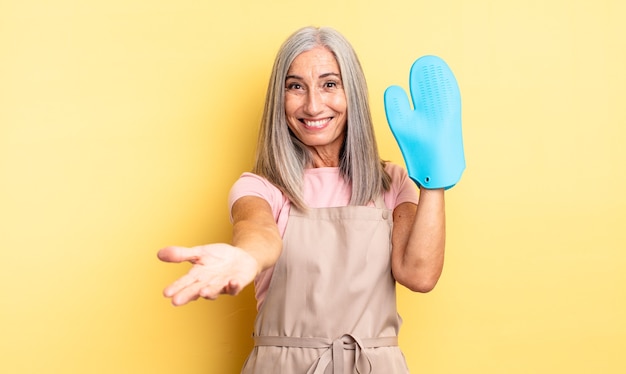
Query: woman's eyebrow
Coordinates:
[325,75]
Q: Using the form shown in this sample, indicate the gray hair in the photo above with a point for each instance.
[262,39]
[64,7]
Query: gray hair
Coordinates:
[281,157]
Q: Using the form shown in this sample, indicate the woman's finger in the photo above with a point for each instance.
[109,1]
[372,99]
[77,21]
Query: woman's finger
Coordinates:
[177,254]
[184,297]
[233,287]
[181,283]
[191,287]
[210,292]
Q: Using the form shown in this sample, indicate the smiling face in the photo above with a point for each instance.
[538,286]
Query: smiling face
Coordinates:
[315,104]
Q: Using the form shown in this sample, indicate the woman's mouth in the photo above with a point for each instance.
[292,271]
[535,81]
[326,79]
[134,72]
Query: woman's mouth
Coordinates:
[316,124]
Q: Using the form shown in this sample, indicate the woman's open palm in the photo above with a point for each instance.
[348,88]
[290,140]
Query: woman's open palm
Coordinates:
[217,269]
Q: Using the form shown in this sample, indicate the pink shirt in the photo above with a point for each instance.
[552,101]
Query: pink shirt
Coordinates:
[323,188]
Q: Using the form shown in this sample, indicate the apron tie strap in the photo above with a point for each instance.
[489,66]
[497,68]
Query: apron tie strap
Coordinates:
[333,353]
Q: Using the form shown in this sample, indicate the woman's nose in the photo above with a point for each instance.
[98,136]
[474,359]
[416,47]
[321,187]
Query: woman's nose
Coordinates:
[314,102]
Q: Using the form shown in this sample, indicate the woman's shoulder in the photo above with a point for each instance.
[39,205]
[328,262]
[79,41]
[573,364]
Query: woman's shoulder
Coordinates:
[255,182]
[402,189]
[395,171]
[250,184]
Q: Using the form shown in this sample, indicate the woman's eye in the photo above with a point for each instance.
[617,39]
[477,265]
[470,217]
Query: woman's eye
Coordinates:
[331,84]
[294,86]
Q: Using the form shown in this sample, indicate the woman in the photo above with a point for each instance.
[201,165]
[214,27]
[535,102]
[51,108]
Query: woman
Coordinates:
[322,225]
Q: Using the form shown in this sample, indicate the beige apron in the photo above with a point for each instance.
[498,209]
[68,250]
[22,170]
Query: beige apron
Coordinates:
[331,304]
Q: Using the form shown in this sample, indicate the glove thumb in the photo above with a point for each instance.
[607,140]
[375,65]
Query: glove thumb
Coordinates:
[397,107]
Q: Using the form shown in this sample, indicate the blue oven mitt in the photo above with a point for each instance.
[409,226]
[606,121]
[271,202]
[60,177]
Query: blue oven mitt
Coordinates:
[429,135]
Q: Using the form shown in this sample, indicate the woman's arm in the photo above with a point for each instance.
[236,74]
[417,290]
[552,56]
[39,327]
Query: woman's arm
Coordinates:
[418,241]
[255,231]
[223,268]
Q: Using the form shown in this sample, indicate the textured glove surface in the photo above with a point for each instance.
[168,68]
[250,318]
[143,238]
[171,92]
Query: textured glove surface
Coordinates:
[429,135]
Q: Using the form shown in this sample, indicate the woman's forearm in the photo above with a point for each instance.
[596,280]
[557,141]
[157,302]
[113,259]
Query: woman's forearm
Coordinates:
[255,231]
[419,261]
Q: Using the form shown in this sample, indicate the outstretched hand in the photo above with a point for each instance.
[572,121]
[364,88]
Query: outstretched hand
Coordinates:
[217,269]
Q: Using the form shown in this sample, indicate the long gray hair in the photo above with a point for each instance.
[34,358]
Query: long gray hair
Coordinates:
[281,157]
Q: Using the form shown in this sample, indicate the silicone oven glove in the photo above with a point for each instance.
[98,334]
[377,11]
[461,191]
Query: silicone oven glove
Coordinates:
[429,135]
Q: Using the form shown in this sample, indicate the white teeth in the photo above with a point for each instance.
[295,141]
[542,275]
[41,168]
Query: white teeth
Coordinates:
[317,124]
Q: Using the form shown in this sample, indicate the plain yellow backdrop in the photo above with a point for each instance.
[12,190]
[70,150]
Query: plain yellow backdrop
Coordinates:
[123,124]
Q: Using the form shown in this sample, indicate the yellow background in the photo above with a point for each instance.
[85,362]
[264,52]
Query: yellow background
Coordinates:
[123,124]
